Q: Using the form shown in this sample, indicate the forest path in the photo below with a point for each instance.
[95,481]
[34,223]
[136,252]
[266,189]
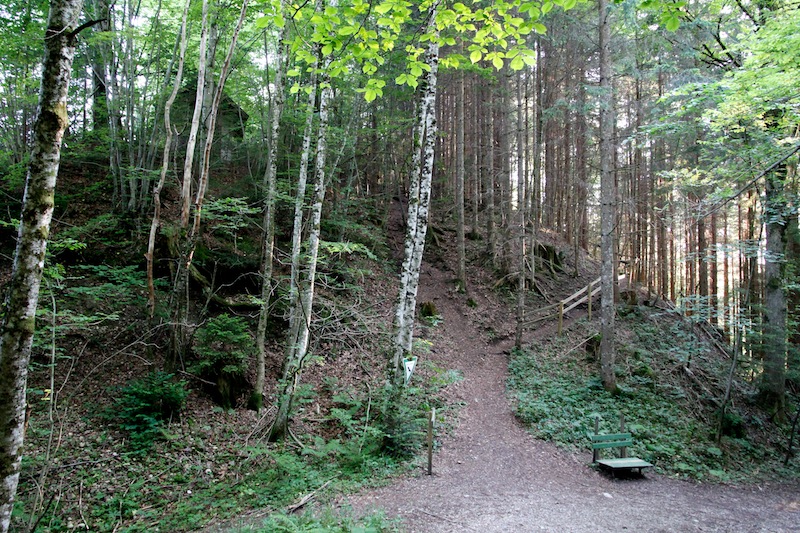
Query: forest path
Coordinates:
[490,475]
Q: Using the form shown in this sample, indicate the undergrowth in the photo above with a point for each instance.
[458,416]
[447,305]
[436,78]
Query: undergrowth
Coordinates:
[202,474]
[558,395]
[211,470]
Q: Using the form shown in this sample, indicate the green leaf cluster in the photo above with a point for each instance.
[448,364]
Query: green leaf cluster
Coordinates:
[223,346]
[145,404]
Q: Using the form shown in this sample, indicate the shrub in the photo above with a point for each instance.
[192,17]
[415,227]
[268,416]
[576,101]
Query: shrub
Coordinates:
[223,346]
[145,403]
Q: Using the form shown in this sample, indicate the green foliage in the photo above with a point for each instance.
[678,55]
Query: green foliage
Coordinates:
[338,249]
[558,395]
[143,406]
[224,345]
[11,173]
[124,285]
[354,418]
[107,230]
[328,522]
[344,265]
[229,215]
[405,415]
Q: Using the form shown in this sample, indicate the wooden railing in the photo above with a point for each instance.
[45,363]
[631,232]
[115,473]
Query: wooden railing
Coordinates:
[584,295]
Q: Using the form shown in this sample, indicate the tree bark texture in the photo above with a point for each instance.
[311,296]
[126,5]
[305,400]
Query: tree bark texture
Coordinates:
[607,211]
[156,221]
[37,211]
[301,291]
[270,191]
[417,219]
[460,177]
[773,382]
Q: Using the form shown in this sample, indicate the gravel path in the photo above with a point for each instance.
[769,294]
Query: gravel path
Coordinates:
[491,476]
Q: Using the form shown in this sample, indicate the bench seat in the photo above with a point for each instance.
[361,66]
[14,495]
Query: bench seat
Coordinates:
[627,463]
[621,464]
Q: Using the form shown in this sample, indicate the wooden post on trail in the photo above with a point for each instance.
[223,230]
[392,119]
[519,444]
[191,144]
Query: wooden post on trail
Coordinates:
[596,451]
[589,297]
[623,452]
[430,441]
[560,316]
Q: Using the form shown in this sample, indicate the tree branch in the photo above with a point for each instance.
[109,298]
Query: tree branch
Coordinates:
[74,33]
[750,183]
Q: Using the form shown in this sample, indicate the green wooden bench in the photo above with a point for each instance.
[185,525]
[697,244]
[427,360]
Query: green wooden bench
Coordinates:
[616,440]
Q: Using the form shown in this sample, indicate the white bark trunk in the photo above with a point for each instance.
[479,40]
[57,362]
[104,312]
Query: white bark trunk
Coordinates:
[303,269]
[212,124]
[188,163]
[417,220]
[151,241]
[37,210]
[270,189]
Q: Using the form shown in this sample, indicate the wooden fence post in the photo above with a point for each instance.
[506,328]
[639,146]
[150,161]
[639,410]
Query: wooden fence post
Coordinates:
[560,316]
[430,441]
[595,451]
[589,296]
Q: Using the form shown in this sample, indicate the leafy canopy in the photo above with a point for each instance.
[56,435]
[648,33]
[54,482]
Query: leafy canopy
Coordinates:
[360,34]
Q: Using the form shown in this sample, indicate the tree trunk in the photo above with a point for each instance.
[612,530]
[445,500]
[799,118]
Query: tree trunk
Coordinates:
[156,221]
[100,55]
[490,177]
[194,128]
[522,213]
[773,383]
[19,309]
[460,171]
[417,219]
[301,297]
[270,188]
[607,200]
[187,247]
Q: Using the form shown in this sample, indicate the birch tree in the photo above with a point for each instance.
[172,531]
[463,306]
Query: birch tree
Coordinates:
[269,183]
[186,248]
[19,307]
[156,221]
[303,273]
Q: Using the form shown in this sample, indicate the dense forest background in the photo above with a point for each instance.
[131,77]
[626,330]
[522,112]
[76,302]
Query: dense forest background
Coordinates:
[245,191]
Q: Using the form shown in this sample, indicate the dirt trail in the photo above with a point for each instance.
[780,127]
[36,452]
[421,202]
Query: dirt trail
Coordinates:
[491,476]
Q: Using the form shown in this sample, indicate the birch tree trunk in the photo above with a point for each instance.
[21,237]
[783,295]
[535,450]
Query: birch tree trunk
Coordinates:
[607,201]
[19,308]
[180,294]
[194,128]
[417,218]
[151,241]
[270,188]
[302,290]
[205,171]
[187,248]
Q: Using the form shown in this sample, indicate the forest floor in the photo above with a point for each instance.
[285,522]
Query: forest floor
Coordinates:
[490,475]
